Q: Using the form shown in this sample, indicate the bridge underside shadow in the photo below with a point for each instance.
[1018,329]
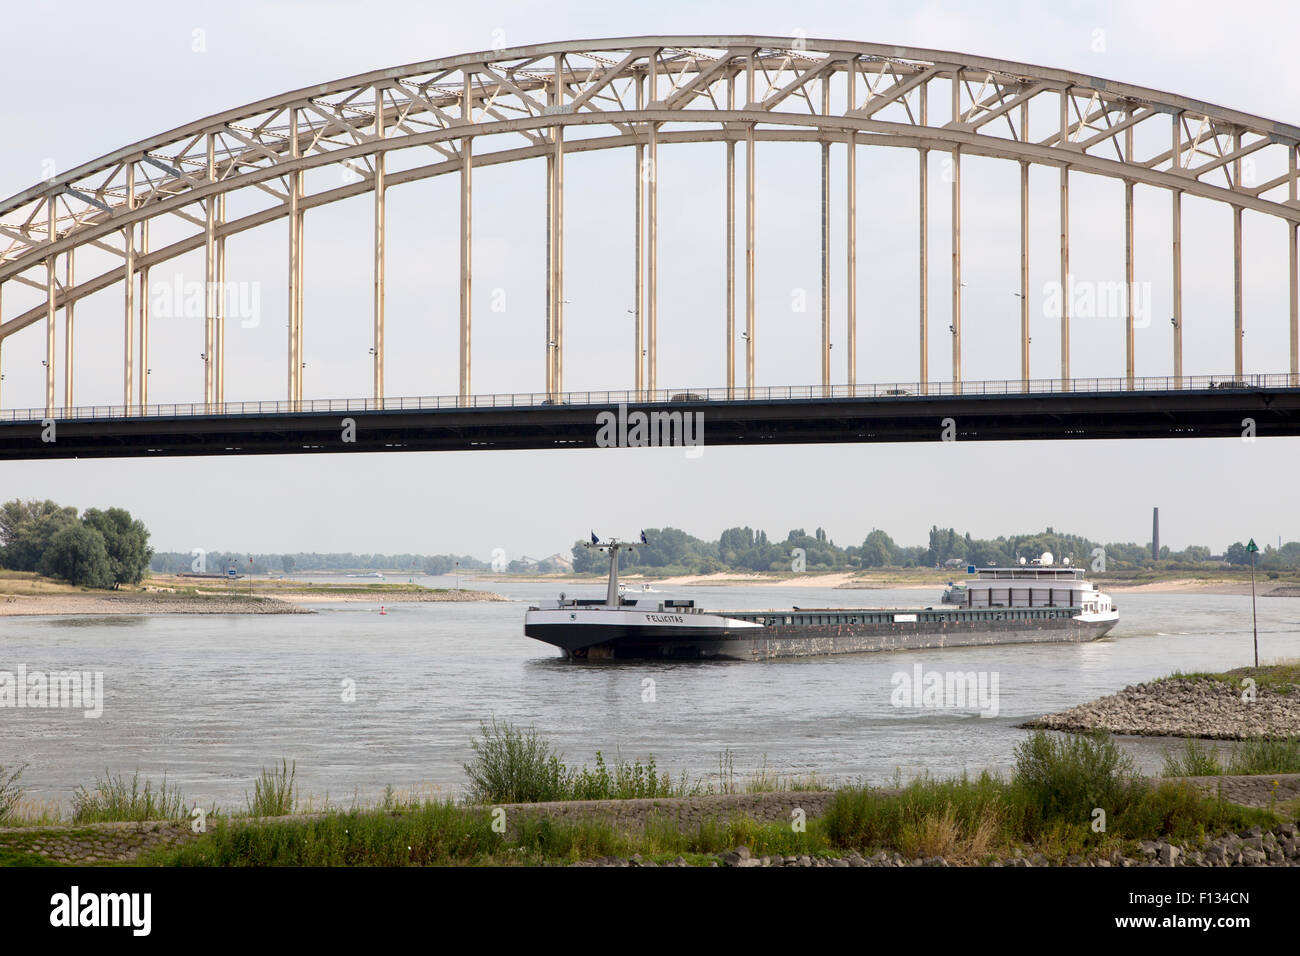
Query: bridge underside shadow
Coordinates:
[1207,413]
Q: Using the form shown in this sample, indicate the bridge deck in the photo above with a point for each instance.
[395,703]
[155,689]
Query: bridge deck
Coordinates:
[1267,406]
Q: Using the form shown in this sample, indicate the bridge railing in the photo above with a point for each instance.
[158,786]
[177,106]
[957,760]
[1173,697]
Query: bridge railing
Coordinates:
[900,391]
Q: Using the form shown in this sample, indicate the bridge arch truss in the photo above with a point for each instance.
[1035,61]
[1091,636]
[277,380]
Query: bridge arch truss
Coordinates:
[550,100]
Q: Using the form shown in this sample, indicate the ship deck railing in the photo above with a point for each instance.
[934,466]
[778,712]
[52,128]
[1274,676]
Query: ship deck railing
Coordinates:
[810,617]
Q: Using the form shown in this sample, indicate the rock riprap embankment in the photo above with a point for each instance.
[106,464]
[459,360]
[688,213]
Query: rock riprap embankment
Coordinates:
[93,843]
[1184,707]
[1279,846]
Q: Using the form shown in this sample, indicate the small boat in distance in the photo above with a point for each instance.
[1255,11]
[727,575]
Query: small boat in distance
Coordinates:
[1018,605]
[954,593]
[368,574]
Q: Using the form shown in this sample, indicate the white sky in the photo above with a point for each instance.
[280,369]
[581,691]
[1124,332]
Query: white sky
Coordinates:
[107,79]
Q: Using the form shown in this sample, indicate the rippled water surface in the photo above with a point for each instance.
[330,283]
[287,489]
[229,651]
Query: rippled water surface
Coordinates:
[211,699]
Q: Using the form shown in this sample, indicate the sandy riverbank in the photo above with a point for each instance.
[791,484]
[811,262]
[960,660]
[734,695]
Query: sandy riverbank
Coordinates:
[1201,586]
[109,603]
[165,601]
[395,597]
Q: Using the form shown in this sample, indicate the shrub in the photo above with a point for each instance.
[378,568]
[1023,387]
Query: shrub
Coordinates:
[274,791]
[513,766]
[1068,777]
[962,818]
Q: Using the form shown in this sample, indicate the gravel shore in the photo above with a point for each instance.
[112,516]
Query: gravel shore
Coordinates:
[1183,707]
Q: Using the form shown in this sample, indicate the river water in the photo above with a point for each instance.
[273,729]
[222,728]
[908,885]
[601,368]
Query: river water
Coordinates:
[211,699]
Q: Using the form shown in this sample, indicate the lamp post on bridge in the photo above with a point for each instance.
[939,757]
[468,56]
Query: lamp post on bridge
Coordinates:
[1254,621]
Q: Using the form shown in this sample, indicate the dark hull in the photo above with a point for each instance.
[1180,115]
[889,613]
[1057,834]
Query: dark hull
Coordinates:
[775,641]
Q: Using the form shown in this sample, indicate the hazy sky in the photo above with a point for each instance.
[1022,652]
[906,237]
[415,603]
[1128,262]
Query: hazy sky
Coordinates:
[115,78]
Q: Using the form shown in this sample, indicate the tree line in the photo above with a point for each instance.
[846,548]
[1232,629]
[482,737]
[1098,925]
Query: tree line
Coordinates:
[97,548]
[747,549]
[219,562]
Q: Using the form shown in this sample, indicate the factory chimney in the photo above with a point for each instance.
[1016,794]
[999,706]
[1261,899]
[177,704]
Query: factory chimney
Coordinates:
[1155,534]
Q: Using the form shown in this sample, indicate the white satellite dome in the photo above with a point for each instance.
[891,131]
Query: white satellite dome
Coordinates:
[1046,559]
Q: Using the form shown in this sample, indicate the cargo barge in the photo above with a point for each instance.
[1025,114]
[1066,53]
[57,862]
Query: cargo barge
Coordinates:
[1028,604]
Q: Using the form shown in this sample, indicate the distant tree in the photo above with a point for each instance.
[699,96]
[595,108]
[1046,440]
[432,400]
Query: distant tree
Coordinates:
[26,529]
[878,550]
[943,541]
[709,565]
[126,541]
[288,563]
[1237,554]
[76,554]
[585,560]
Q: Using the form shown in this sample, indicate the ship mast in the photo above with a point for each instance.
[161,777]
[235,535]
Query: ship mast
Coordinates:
[613,546]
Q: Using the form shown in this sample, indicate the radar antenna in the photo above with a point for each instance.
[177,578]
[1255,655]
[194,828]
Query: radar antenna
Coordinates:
[613,546]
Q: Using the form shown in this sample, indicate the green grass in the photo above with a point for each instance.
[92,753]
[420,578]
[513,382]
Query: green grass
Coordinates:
[1278,677]
[628,781]
[1049,803]
[275,793]
[443,833]
[515,765]
[1255,755]
[1264,755]
[115,800]
[962,818]
[1195,759]
[18,858]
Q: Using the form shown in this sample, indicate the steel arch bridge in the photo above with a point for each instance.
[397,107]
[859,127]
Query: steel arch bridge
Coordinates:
[547,101]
